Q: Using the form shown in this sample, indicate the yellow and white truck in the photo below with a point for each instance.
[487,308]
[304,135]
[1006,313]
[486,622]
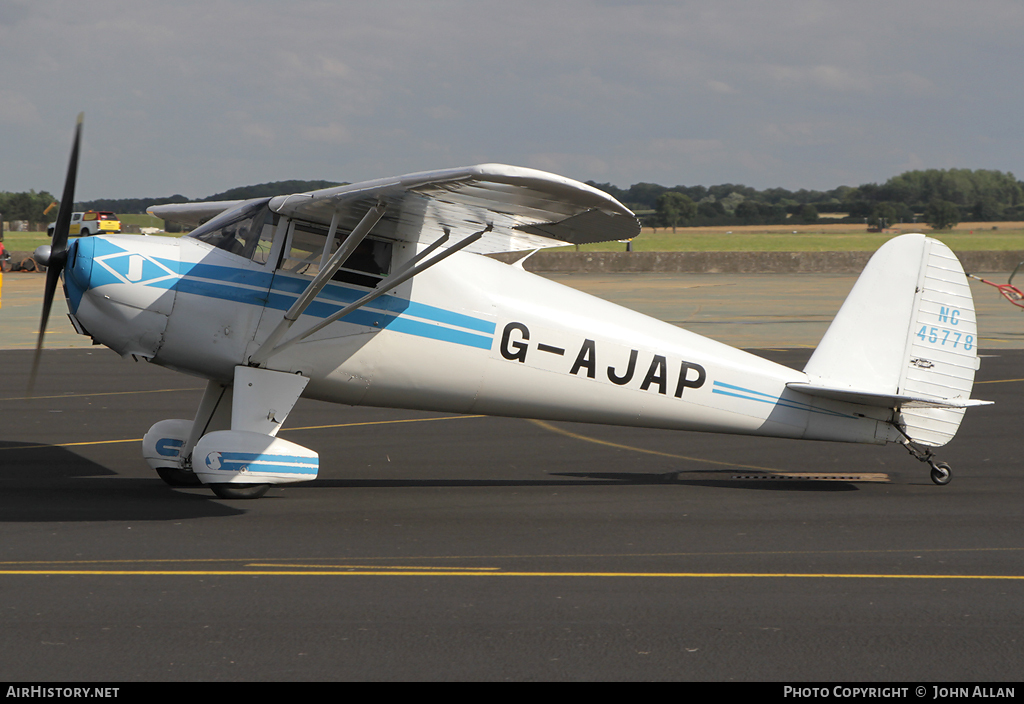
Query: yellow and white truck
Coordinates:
[91,222]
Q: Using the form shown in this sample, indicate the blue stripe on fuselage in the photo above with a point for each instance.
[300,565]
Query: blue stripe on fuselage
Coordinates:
[720,387]
[279,292]
[344,295]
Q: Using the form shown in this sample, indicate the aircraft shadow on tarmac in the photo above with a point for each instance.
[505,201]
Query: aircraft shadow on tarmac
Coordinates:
[719,479]
[43,483]
[584,479]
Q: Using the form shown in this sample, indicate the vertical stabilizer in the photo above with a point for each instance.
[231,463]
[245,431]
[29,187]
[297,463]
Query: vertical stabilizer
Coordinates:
[907,329]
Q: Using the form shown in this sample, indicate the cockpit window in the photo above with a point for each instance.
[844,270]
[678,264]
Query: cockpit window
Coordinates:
[247,231]
[366,266]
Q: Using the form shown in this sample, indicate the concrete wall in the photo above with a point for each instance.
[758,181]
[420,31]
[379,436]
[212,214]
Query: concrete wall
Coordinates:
[24,226]
[733,262]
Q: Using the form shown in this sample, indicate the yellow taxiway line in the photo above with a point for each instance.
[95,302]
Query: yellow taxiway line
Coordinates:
[308,427]
[359,567]
[449,572]
[99,393]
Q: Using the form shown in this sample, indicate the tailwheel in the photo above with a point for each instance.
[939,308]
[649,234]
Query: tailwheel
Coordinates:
[941,473]
[232,490]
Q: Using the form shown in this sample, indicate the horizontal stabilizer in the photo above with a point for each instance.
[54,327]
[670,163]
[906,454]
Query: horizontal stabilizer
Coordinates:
[869,398]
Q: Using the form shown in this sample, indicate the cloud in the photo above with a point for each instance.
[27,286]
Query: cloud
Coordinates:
[788,92]
[12,13]
[17,109]
[586,165]
[720,87]
[259,133]
[809,133]
[818,77]
[334,133]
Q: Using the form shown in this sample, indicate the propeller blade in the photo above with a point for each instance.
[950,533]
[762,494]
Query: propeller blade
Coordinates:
[58,247]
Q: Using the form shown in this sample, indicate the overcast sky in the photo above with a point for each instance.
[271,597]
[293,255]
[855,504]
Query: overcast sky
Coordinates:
[198,97]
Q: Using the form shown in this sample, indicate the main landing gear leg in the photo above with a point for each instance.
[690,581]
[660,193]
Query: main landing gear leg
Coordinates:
[941,473]
[242,463]
[232,445]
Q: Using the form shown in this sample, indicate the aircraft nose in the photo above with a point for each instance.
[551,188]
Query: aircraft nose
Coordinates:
[78,270]
[121,290]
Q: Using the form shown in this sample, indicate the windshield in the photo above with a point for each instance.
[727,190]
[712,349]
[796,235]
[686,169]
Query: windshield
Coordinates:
[247,231]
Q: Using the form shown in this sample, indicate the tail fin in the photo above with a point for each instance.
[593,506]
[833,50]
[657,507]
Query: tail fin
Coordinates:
[906,337]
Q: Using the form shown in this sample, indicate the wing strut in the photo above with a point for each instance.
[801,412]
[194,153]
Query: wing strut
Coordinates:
[416,265]
[372,217]
[330,238]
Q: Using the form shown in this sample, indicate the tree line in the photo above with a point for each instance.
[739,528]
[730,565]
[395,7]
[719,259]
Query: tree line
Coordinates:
[260,190]
[26,206]
[36,207]
[939,197]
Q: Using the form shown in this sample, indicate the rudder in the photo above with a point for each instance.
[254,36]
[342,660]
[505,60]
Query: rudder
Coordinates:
[906,330]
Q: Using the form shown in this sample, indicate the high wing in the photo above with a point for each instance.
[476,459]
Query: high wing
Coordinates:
[524,208]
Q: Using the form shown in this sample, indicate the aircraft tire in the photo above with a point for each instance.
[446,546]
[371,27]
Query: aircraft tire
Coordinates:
[179,477]
[239,491]
[941,474]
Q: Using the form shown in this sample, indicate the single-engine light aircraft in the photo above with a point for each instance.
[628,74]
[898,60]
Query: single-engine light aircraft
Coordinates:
[379,294]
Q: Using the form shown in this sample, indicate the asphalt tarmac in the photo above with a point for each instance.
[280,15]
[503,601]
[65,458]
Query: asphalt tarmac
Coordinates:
[470,548]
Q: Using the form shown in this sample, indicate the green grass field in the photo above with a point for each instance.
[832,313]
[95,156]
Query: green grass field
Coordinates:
[28,241]
[819,238]
[142,220]
[25,241]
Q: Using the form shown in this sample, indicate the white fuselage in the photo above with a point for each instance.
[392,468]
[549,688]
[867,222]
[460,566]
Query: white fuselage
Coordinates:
[470,335]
